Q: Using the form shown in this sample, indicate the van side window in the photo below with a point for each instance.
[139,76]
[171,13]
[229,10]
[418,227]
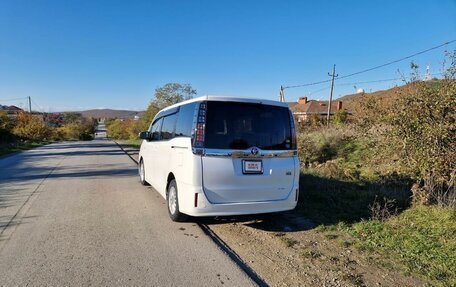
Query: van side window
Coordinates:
[185,120]
[167,130]
[155,129]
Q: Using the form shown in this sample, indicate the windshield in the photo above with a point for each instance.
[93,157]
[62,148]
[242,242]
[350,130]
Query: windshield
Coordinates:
[233,125]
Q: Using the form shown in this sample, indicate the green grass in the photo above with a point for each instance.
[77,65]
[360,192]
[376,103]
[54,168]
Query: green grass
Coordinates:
[421,240]
[331,201]
[20,146]
[136,143]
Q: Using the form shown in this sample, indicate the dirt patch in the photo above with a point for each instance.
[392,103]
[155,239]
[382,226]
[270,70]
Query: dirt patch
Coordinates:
[285,250]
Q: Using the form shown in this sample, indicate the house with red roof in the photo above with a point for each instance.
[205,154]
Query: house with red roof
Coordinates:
[304,109]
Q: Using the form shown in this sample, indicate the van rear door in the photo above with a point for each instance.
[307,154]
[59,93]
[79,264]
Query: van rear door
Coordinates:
[249,152]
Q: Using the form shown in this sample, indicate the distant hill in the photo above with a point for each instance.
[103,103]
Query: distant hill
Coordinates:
[110,113]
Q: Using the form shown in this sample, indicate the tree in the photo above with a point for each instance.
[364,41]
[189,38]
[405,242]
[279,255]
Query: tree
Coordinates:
[171,94]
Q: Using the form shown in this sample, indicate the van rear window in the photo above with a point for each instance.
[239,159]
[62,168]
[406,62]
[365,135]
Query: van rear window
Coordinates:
[234,125]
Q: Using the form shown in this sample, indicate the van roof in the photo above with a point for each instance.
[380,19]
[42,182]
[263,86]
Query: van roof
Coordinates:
[228,99]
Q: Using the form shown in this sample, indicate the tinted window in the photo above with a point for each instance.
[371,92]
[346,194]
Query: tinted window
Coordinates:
[167,130]
[185,120]
[231,125]
[155,129]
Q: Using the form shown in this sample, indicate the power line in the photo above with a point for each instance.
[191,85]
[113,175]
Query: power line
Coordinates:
[364,82]
[379,81]
[396,61]
[305,85]
[369,82]
[14,99]
[373,68]
[39,107]
[319,90]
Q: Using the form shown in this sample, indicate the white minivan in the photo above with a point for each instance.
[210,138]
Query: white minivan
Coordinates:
[214,156]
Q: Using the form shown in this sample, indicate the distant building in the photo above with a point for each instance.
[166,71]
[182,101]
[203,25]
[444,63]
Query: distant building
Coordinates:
[11,110]
[304,108]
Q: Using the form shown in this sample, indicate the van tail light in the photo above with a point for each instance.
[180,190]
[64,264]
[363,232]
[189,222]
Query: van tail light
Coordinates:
[196,199]
[198,140]
[293,132]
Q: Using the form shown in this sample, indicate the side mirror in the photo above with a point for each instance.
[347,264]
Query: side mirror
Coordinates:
[144,135]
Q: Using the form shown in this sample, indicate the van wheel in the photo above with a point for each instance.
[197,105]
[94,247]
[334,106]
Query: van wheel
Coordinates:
[142,173]
[173,203]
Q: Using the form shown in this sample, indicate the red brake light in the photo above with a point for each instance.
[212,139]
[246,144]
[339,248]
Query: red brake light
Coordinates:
[198,140]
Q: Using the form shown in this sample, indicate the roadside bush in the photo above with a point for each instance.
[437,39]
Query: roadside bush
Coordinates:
[6,127]
[125,129]
[30,127]
[75,127]
[424,122]
[134,128]
[340,117]
[116,129]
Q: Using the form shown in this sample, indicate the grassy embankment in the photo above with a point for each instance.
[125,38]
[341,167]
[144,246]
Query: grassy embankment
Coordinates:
[347,194]
[132,143]
[20,146]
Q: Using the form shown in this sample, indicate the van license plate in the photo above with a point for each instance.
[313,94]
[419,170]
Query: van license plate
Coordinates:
[252,166]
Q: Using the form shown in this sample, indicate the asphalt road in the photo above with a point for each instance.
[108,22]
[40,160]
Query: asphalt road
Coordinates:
[74,213]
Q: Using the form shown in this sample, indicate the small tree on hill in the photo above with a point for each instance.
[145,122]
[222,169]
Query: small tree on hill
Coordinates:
[169,94]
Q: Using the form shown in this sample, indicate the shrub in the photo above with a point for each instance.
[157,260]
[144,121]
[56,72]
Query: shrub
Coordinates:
[30,127]
[75,128]
[6,127]
[340,117]
[424,121]
[116,129]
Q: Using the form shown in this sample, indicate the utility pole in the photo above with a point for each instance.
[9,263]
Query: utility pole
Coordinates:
[30,104]
[282,94]
[333,75]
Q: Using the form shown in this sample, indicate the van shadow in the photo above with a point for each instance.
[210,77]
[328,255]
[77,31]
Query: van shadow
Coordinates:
[328,201]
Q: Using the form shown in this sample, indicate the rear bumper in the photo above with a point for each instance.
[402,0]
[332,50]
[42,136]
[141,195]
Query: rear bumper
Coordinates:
[205,208]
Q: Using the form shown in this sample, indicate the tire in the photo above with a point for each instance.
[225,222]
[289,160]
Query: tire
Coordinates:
[173,203]
[142,173]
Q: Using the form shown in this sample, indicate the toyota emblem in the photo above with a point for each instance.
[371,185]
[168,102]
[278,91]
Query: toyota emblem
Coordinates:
[254,151]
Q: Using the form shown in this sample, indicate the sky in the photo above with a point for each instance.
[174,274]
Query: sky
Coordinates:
[75,55]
